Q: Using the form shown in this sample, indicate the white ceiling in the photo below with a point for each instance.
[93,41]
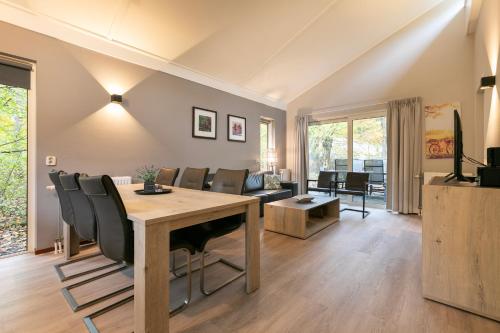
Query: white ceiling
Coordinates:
[271,51]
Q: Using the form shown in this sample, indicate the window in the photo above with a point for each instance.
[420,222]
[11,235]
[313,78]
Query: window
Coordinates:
[266,142]
[327,146]
[355,143]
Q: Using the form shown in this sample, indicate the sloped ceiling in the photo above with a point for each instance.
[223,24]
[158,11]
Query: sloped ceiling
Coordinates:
[269,51]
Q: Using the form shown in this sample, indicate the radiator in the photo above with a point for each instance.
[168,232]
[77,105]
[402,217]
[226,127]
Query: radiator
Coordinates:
[122,180]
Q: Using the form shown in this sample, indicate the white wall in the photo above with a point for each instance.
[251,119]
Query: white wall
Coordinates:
[486,60]
[432,57]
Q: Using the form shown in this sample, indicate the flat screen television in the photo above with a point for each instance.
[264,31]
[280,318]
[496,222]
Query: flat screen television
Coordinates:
[458,152]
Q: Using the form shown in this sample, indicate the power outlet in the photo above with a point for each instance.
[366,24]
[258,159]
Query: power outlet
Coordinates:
[50,160]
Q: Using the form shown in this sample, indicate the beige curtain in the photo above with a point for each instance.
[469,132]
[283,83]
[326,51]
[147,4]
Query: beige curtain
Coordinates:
[301,164]
[404,130]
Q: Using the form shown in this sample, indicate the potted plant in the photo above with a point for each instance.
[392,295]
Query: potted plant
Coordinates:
[148,175]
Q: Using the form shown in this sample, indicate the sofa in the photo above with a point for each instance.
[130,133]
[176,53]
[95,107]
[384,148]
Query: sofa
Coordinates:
[254,186]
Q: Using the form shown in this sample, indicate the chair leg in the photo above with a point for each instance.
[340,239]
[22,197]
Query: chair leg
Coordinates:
[77,307]
[89,319]
[223,261]
[187,300]
[363,205]
[175,268]
[64,277]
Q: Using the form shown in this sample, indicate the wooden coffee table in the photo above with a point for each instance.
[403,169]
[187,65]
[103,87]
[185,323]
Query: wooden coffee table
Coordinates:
[300,220]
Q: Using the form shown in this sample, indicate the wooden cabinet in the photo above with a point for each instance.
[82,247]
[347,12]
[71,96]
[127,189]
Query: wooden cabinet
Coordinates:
[461,246]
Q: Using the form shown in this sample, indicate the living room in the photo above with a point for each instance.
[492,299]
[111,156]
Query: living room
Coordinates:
[291,153]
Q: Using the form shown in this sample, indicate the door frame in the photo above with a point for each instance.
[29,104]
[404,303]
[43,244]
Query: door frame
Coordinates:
[32,158]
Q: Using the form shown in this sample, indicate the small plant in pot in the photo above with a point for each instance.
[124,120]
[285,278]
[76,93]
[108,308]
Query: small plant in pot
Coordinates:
[148,175]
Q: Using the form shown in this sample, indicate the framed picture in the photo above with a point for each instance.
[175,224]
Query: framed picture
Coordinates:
[236,128]
[204,123]
[439,135]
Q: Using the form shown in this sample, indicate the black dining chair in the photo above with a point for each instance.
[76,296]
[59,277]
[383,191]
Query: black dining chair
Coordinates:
[116,235]
[225,181]
[356,184]
[194,178]
[326,182]
[85,225]
[80,228]
[341,166]
[376,181]
[167,176]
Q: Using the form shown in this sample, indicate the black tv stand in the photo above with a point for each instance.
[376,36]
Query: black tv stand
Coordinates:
[460,178]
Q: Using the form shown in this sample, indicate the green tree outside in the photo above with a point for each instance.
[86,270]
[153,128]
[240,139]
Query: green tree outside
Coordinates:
[13,156]
[328,142]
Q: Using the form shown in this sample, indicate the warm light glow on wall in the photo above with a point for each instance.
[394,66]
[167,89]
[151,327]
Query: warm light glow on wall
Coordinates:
[113,88]
[115,109]
[493,129]
[492,48]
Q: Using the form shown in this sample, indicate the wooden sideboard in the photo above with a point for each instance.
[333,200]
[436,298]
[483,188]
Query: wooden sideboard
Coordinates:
[461,246]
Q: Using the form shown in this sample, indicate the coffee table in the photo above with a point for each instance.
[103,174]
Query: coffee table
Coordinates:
[301,220]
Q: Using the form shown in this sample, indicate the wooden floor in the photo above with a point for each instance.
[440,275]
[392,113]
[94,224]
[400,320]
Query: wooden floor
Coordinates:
[355,276]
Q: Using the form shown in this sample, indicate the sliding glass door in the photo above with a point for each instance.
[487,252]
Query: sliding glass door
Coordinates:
[357,143]
[369,154]
[328,148]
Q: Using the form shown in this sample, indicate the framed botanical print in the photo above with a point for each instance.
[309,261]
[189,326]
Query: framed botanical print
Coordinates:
[236,128]
[204,123]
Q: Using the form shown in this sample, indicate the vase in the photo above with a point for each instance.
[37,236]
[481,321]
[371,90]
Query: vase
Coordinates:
[149,186]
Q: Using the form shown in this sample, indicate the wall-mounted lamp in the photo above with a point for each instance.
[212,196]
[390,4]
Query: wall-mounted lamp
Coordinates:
[116,99]
[487,82]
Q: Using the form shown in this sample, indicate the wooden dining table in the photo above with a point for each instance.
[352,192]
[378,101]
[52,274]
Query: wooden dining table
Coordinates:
[154,217]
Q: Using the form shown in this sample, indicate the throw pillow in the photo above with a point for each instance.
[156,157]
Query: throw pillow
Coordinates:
[272,182]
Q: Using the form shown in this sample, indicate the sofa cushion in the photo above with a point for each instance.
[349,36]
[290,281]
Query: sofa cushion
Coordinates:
[274,195]
[255,182]
[262,194]
[272,182]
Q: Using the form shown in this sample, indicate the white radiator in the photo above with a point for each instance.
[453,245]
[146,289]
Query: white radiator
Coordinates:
[123,180]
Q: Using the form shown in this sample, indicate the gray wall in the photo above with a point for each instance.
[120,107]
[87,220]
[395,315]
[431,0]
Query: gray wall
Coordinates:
[75,123]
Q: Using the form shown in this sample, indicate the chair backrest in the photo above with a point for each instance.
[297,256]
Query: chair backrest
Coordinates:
[376,170]
[229,181]
[356,181]
[193,178]
[64,201]
[167,176]
[341,165]
[325,178]
[114,231]
[84,218]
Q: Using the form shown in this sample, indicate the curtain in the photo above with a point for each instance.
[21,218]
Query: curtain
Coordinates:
[301,164]
[404,139]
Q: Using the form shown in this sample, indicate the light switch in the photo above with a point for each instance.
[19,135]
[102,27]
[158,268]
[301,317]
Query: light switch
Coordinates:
[50,160]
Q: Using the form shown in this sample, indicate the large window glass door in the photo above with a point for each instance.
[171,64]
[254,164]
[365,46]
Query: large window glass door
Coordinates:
[13,171]
[356,143]
[369,154]
[267,151]
[328,148]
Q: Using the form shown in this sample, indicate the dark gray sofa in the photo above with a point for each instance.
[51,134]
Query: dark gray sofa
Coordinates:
[255,187]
